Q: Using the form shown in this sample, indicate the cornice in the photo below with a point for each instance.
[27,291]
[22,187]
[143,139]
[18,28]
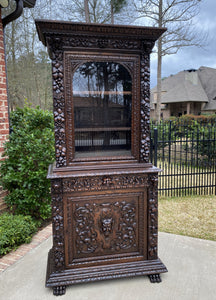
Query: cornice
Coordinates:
[48,28]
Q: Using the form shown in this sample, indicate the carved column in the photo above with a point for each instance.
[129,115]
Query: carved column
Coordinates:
[153,216]
[145,101]
[58,100]
[58,224]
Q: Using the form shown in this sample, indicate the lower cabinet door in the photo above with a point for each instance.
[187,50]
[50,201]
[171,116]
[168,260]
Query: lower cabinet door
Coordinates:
[105,228]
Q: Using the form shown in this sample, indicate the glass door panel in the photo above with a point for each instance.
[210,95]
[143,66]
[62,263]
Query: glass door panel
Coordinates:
[102,99]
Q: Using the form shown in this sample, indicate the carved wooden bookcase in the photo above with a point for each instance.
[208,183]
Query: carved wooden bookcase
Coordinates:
[104,190]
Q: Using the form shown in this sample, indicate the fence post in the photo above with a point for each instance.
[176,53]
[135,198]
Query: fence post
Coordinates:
[155,145]
[151,149]
[214,160]
[169,138]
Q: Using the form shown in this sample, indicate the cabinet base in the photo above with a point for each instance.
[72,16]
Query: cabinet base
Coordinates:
[58,280]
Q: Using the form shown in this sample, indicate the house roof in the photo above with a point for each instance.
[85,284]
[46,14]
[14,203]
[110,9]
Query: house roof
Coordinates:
[208,79]
[189,86]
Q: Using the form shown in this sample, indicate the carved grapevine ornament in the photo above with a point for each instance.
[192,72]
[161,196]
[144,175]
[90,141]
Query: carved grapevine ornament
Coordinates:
[58,224]
[153,217]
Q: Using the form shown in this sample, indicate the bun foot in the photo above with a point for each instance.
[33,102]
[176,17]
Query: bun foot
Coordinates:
[154,278]
[59,290]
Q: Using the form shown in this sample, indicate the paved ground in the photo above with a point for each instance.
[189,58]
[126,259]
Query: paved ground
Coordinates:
[191,264]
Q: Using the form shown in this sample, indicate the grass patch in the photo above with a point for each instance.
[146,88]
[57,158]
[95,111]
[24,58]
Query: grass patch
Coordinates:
[191,216]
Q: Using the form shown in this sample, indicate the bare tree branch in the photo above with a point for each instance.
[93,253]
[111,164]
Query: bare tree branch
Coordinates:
[177,16]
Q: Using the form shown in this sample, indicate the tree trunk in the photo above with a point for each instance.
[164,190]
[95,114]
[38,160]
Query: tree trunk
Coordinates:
[87,17]
[13,26]
[112,13]
[159,65]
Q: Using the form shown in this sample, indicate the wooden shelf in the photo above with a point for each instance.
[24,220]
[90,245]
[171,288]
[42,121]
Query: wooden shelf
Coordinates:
[76,93]
[102,129]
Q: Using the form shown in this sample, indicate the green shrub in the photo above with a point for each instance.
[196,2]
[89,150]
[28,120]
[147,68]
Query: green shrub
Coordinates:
[28,154]
[205,143]
[14,231]
[166,133]
[201,119]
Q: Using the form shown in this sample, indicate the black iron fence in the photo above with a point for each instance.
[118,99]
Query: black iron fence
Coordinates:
[186,153]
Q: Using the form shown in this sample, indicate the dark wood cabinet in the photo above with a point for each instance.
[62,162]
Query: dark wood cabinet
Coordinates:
[104,190]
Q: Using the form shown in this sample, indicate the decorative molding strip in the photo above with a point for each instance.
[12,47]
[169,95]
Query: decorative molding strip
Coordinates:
[97,183]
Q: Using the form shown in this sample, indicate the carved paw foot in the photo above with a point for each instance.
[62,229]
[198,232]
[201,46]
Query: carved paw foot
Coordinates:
[154,278]
[59,290]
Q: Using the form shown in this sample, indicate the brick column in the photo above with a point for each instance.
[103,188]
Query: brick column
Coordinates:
[4,121]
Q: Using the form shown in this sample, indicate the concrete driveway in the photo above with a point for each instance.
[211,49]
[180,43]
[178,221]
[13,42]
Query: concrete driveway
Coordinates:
[191,275]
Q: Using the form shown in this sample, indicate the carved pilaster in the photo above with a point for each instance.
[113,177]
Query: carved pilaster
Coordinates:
[145,101]
[152,217]
[58,225]
[58,100]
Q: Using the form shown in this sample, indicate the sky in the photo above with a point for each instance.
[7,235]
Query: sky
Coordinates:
[192,57]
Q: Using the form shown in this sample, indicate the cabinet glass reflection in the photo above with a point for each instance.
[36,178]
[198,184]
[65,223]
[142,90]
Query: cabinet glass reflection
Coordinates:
[102,98]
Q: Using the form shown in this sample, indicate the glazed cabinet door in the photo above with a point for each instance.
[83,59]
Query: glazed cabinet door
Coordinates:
[105,228]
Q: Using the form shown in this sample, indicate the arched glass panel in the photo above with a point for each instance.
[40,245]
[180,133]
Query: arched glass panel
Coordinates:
[102,98]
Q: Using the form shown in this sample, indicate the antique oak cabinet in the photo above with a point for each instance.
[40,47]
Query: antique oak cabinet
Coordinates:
[104,190]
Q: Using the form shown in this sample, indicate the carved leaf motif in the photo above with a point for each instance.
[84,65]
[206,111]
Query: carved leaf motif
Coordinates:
[125,44]
[92,42]
[126,235]
[85,234]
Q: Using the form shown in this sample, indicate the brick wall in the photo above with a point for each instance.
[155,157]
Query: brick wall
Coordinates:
[4,122]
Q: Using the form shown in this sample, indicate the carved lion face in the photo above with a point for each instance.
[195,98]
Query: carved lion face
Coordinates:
[106,226]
